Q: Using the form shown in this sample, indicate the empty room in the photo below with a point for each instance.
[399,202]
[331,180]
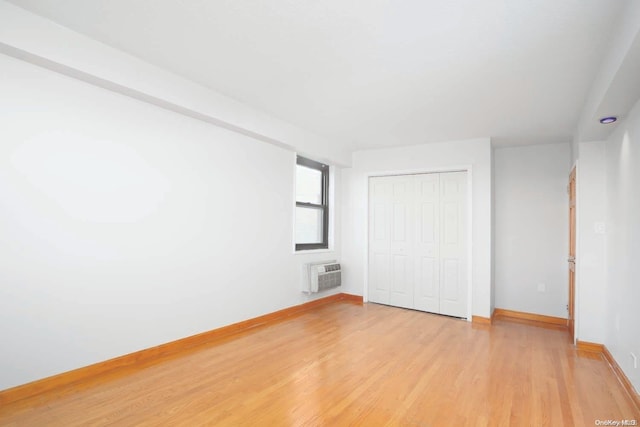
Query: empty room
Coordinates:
[296,213]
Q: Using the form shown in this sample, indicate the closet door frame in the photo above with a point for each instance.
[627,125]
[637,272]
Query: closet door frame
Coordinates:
[469,219]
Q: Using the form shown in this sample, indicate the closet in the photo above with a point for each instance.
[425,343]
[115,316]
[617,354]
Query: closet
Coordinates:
[417,242]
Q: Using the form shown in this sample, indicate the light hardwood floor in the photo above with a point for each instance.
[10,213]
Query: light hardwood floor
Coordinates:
[345,364]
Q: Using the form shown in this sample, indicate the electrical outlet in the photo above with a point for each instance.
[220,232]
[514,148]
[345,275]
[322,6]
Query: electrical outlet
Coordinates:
[634,360]
[542,287]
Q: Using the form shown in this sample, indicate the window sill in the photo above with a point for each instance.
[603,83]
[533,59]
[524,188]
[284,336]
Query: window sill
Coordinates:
[313,251]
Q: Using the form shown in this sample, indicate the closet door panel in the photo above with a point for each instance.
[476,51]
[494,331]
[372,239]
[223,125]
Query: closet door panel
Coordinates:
[427,251]
[453,256]
[402,241]
[379,240]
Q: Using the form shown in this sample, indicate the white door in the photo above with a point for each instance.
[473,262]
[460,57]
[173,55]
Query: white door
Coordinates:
[453,236]
[379,240]
[402,241]
[427,267]
[417,236]
[391,240]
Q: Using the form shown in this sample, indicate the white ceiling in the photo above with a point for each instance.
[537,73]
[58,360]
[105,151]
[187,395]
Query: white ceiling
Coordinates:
[373,73]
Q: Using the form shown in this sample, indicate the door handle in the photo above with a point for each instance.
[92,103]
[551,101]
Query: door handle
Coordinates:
[571,259]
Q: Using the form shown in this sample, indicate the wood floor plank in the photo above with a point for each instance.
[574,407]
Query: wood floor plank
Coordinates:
[344,364]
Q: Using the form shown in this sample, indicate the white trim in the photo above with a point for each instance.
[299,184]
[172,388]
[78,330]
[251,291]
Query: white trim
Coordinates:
[463,168]
[469,171]
[578,266]
[294,157]
[313,251]
[419,171]
[332,210]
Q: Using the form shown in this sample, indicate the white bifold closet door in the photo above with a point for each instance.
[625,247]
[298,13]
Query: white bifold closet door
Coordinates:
[417,242]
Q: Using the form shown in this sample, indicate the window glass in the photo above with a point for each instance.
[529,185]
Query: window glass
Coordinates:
[308,225]
[308,185]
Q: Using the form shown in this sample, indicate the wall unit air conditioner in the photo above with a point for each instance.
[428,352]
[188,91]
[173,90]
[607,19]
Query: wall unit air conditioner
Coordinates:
[323,276]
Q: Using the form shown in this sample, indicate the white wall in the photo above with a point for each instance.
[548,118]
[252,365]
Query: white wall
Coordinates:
[125,225]
[575,150]
[622,243]
[615,88]
[590,255]
[531,234]
[27,36]
[428,157]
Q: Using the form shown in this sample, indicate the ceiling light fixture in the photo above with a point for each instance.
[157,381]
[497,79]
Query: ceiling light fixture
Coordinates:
[607,120]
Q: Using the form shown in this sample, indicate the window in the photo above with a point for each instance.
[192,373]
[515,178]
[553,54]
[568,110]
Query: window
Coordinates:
[312,205]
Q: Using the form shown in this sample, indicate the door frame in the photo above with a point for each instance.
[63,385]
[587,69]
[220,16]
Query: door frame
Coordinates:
[577,263]
[461,168]
[571,256]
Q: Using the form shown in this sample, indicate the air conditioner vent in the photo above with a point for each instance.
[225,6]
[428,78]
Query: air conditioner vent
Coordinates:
[323,276]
